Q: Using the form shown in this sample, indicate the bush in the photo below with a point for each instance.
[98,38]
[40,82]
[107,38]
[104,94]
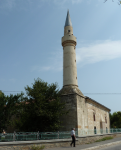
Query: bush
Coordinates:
[104,139]
[37,147]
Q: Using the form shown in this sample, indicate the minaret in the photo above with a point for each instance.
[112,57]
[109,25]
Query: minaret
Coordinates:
[70,93]
[69,54]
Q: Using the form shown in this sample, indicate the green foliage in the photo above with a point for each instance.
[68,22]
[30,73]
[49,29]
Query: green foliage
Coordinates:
[8,108]
[37,147]
[42,110]
[119,1]
[104,139]
[115,119]
[2,110]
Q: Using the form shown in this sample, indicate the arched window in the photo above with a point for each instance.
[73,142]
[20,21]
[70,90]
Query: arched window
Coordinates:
[94,116]
[105,119]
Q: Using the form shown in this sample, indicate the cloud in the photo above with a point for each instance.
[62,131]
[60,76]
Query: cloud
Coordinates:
[76,1]
[40,68]
[2,80]
[54,67]
[61,2]
[7,4]
[12,80]
[17,4]
[89,54]
[96,52]
[55,63]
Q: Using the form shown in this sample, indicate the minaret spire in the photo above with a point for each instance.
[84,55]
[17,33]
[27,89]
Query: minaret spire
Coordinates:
[68,20]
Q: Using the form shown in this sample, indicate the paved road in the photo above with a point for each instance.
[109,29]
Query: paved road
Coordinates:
[80,147]
[117,147]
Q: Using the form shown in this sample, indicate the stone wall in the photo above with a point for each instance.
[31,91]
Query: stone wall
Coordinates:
[100,114]
[82,118]
[69,121]
[26,145]
[75,103]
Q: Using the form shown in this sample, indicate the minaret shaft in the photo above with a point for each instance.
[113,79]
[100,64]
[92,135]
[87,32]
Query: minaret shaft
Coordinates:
[69,66]
[69,55]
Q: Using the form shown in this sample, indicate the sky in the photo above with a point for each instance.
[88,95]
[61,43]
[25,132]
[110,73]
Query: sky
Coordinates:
[30,46]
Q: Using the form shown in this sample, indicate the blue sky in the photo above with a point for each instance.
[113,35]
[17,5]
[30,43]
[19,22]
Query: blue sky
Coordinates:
[30,46]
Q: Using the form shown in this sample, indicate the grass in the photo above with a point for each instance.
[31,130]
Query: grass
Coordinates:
[104,139]
[37,147]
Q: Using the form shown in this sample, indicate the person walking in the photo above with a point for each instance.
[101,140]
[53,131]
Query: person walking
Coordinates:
[73,137]
[3,136]
[3,132]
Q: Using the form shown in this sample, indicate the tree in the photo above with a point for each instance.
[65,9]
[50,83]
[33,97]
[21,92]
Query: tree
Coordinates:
[2,110]
[115,119]
[119,1]
[43,108]
[8,108]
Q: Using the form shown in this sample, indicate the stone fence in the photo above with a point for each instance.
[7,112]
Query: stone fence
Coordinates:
[26,145]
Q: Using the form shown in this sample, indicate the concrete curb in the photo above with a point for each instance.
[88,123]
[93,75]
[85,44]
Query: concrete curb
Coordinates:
[102,146]
[35,142]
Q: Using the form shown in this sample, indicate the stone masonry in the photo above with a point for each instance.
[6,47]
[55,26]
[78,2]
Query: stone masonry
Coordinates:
[75,103]
[81,110]
[102,120]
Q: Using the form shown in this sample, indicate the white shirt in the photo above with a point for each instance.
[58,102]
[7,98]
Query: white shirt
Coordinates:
[72,132]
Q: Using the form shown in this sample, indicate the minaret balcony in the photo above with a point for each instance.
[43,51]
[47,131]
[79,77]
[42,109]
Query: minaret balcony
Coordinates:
[69,39]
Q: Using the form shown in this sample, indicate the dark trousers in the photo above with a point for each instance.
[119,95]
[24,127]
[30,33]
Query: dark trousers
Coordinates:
[73,141]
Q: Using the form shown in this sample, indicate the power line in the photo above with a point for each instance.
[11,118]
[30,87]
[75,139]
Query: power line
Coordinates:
[83,93]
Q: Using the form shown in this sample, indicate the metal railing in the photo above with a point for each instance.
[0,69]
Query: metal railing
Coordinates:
[96,131]
[30,136]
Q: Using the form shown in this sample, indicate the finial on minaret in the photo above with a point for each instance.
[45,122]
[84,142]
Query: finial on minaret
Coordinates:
[68,20]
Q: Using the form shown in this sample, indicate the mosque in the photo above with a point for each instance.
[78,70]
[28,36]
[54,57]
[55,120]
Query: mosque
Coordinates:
[85,113]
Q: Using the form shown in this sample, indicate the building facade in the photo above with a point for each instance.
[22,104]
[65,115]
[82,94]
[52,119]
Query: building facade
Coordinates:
[84,113]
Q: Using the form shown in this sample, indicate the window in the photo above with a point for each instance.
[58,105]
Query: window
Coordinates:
[106,130]
[95,132]
[94,116]
[75,60]
[68,31]
[105,120]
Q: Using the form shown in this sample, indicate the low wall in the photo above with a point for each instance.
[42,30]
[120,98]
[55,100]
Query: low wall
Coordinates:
[26,145]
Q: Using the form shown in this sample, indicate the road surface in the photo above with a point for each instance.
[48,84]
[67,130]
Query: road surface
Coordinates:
[81,147]
[116,147]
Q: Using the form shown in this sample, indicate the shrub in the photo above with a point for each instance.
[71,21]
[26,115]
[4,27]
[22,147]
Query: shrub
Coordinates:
[105,138]
[37,147]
